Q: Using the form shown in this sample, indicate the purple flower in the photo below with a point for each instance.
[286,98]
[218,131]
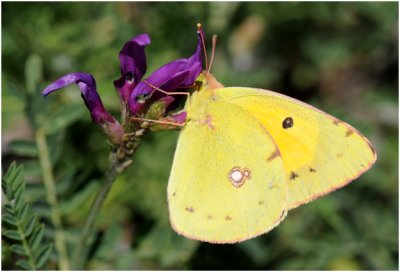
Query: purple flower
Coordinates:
[133,65]
[177,74]
[87,84]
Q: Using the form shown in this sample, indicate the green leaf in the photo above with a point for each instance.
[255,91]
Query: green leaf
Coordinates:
[8,208]
[36,237]
[30,225]
[32,169]
[7,191]
[19,203]
[24,264]
[12,176]
[35,192]
[18,249]
[19,193]
[80,198]
[17,185]
[11,172]
[27,232]
[63,118]
[23,148]
[12,234]
[6,217]
[12,183]
[42,210]
[23,211]
[33,72]
[64,182]
[43,256]
[56,145]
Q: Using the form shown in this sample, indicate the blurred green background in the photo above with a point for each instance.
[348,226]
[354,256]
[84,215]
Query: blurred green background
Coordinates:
[339,57]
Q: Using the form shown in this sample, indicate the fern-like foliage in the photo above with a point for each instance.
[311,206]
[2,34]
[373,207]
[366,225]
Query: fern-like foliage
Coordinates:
[20,224]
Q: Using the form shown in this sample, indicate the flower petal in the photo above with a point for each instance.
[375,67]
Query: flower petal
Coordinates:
[179,118]
[133,65]
[87,85]
[176,74]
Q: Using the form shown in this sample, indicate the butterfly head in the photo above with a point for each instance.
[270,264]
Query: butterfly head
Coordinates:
[206,81]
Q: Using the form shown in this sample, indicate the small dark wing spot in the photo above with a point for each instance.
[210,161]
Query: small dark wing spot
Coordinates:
[336,122]
[312,170]
[228,218]
[293,175]
[174,194]
[260,203]
[349,132]
[287,123]
[209,217]
[339,155]
[362,165]
[190,209]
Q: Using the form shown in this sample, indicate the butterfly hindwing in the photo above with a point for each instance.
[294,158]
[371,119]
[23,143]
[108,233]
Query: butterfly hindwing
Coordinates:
[320,152]
[227,182]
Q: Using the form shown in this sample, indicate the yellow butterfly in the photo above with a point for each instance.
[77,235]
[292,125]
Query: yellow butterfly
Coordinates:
[246,156]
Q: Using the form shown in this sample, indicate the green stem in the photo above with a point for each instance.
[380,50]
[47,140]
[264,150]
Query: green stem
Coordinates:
[51,194]
[115,168]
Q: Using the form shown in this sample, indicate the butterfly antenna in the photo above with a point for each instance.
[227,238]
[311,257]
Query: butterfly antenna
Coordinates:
[200,32]
[214,43]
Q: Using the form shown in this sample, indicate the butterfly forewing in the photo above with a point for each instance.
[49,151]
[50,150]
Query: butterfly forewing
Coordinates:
[320,153]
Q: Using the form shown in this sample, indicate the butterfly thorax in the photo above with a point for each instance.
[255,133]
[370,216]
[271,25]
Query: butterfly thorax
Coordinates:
[199,101]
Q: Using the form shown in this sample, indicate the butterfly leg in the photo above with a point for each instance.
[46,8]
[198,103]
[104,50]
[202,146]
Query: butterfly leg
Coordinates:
[165,92]
[171,122]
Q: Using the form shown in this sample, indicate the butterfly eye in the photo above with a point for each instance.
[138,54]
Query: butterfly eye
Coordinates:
[129,78]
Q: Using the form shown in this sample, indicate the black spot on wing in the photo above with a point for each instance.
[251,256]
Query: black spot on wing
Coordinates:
[190,209]
[293,175]
[287,123]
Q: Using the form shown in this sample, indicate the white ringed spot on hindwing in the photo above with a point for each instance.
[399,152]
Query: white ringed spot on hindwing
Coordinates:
[237,176]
